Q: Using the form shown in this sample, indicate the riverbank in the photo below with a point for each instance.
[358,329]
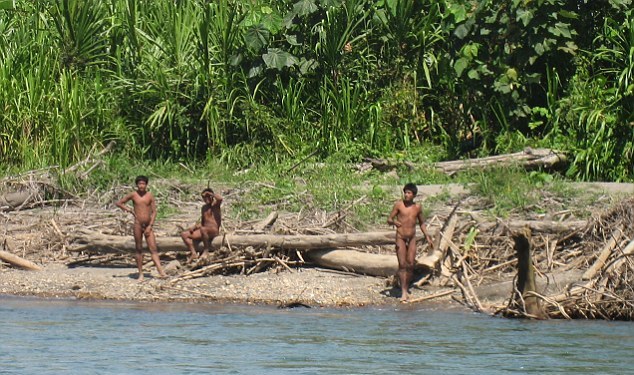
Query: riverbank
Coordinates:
[312,287]
[43,235]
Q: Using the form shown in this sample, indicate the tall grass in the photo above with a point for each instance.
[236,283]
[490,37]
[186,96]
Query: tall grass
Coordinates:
[247,81]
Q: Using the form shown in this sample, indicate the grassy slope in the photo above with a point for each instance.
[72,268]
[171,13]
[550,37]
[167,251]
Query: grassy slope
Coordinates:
[366,197]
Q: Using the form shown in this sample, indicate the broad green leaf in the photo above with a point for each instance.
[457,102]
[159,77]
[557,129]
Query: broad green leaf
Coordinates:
[502,85]
[272,21]
[471,50]
[473,74]
[460,65]
[459,12]
[535,124]
[304,7]
[292,40]
[278,59]
[288,20]
[570,47]
[567,14]
[512,74]
[539,48]
[525,16]
[256,37]
[563,29]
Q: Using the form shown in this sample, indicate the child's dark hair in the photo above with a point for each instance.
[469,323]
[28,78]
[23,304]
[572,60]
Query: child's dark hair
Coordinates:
[411,187]
[207,190]
[141,178]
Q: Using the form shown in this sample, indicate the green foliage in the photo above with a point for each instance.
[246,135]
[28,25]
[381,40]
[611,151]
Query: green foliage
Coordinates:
[252,82]
[501,54]
[599,110]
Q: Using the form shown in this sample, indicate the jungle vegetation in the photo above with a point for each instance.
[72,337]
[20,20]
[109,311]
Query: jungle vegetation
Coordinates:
[259,81]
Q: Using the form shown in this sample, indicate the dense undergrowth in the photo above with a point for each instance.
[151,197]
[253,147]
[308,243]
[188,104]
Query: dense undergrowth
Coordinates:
[271,82]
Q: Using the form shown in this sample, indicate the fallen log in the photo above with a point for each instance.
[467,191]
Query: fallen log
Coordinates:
[17,261]
[97,242]
[529,158]
[13,200]
[355,261]
[105,243]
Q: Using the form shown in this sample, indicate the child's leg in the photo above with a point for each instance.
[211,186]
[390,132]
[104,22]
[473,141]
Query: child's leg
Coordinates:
[138,244]
[401,255]
[151,244]
[189,237]
[207,237]
[410,259]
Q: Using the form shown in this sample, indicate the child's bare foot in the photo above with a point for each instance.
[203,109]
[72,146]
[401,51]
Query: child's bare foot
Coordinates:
[192,258]
[140,278]
[404,297]
[205,254]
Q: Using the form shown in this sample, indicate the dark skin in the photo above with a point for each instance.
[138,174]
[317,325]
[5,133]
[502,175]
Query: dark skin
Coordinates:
[144,212]
[209,227]
[404,216]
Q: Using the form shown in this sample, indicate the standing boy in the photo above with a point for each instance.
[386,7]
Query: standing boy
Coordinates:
[404,216]
[209,227]
[144,213]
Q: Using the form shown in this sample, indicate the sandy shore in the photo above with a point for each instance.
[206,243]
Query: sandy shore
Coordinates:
[311,286]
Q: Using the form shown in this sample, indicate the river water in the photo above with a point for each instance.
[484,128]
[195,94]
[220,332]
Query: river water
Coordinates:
[75,337]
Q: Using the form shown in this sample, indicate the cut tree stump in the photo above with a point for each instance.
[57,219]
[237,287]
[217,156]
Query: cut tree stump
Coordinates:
[525,285]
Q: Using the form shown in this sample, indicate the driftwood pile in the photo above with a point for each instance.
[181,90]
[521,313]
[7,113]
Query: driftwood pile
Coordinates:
[606,290]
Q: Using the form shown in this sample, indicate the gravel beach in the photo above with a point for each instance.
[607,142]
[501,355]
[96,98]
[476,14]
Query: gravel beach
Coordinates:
[309,286]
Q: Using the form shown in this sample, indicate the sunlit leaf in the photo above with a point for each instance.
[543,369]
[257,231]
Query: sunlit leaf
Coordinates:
[525,16]
[278,59]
